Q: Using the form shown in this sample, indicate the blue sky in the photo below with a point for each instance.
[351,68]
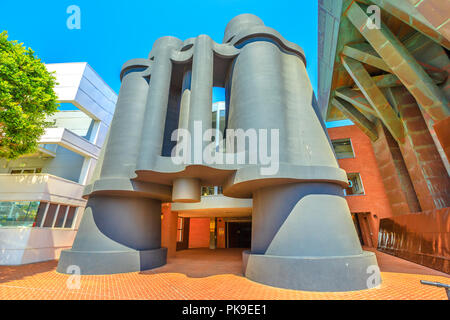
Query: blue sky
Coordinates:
[113,32]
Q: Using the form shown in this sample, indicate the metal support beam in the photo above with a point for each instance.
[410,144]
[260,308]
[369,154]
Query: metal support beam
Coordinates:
[414,17]
[402,64]
[357,117]
[364,52]
[375,97]
[357,99]
[391,80]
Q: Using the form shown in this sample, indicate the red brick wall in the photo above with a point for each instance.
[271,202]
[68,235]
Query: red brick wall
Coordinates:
[421,156]
[199,233]
[375,199]
[436,12]
[397,182]
[442,130]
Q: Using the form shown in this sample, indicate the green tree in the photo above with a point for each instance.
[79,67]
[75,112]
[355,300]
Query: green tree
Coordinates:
[26,98]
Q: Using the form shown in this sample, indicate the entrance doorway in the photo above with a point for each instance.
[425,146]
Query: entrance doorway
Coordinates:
[182,234]
[362,225]
[213,233]
[238,234]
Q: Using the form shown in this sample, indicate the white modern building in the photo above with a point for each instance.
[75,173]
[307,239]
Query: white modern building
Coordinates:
[40,194]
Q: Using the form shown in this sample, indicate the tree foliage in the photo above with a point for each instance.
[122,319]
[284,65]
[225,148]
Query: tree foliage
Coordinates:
[26,98]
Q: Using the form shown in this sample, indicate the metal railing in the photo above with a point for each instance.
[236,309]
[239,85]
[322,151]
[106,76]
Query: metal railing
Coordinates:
[439,285]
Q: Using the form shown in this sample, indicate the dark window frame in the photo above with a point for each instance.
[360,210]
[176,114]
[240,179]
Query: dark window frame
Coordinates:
[351,146]
[358,175]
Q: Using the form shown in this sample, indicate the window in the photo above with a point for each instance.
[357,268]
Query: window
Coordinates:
[355,187]
[211,191]
[36,214]
[26,170]
[49,218]
[18,213]
[180,230]
[60,217]
[343,148]
[207,191]
[219,115]
[40,214]
[71,215]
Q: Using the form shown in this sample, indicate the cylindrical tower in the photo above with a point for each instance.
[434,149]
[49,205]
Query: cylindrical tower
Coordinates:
[119,231]
[126,128]
[157,101]
[302,233]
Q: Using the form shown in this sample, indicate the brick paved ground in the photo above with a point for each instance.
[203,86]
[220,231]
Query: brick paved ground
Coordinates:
[204,274]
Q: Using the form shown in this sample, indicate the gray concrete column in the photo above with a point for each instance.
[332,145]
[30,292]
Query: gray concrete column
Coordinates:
[200,106]
[258,91]
[126,128]
[186,190]
[157,101]
[271,90]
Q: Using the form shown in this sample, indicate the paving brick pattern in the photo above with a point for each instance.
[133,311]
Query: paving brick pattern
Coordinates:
[203,274]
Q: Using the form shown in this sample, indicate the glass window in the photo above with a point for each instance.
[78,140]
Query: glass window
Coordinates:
[18,214]
[51,212]
[180,230]
[40,214]
[207,191]
[60,217]
[222,121]
[211,191]
[71,214]
[219,117]
[214,120]
[26,170]
[343,148]
[355,185]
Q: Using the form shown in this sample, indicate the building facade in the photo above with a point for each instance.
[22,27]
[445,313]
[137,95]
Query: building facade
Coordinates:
[384,65]
[41,200]
[302,234]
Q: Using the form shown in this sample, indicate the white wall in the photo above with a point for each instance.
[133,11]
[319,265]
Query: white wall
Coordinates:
[29,245]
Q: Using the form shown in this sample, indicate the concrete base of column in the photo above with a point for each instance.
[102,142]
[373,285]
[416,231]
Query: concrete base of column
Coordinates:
[326,274]
[303,238]
[99,263]
[116,235]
